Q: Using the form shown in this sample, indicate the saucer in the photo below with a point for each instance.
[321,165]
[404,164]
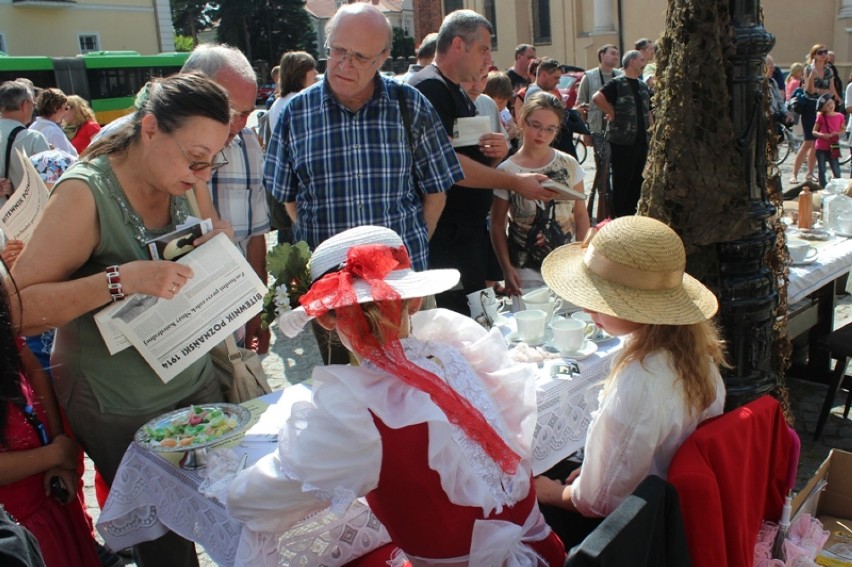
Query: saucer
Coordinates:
[602,339]
[806,261]
[588,349]
[514,337]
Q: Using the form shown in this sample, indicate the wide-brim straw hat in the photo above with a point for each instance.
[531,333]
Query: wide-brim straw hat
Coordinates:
[633,269]
[330,255]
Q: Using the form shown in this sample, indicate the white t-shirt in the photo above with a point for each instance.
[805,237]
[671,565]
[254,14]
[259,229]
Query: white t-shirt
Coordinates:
[55,135]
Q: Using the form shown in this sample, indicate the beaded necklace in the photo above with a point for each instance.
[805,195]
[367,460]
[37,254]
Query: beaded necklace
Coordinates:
[178,211]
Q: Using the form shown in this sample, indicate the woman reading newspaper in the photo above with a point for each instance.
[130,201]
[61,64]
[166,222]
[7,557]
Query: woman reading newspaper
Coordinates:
[88,251]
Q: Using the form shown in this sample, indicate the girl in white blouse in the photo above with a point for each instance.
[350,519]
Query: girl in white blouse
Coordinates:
[630,278]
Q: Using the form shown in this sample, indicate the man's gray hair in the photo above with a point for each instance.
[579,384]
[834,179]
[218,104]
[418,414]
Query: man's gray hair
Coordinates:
[352,10]
[464,24]
[13,94]
[209,59]
[629,56]
[428,46]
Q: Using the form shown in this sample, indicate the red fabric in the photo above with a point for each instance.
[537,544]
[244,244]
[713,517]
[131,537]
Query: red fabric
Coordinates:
[372,263]
[84,135]
[731,474]
[63,534]
[414,508]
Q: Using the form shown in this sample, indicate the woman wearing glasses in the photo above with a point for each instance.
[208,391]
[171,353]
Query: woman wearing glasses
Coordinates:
[88,252]
[52,104]
[817,80]
[537,227]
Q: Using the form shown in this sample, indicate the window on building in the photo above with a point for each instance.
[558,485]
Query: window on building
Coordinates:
[453,5]
[541,21]
[88,42]
[3,43]
[491,15]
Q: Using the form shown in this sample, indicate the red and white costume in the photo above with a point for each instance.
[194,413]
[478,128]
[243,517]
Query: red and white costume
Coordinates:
[443,499]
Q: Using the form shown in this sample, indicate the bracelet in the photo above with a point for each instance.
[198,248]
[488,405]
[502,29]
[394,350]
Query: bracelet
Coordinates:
[116,292]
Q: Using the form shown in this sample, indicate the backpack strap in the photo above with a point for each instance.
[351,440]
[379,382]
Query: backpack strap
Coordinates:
[406,122]
[11,140]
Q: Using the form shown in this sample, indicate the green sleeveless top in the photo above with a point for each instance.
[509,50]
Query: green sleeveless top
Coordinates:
[123,384]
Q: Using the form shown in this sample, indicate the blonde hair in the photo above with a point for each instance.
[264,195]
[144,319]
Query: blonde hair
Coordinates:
[82,112]
[689,347]
[794,68]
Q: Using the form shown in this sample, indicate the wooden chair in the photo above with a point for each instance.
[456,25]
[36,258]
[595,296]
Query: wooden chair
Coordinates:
[839,344]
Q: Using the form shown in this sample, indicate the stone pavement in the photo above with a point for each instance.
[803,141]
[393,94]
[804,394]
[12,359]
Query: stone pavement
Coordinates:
[290,361]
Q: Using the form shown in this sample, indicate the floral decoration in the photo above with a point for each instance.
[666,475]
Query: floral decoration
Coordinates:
[289,265]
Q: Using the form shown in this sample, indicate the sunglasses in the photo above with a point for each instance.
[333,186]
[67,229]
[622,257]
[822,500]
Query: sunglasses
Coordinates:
[822,52]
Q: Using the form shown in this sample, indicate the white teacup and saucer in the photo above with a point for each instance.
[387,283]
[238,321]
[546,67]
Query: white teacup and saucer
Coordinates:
[569,339]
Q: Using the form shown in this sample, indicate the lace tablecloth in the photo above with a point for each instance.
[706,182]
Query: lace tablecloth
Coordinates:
[833,260]
[151,494]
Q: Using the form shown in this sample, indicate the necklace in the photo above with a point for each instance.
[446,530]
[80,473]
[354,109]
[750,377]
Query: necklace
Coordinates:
[178,211]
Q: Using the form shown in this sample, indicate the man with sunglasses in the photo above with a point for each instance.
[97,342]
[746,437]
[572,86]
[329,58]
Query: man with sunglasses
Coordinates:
[359,148]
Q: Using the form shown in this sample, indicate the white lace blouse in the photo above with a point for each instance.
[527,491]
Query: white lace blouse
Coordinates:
[641,421]
[330,452]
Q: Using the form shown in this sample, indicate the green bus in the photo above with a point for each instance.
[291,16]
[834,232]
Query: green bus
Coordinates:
[109,80]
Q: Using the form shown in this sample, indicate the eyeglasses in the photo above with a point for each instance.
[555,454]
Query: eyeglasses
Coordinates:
[202,165]
[822,52]
[549,130]
[358,60]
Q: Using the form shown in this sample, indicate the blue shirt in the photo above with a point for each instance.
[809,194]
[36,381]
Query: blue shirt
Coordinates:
[346,169]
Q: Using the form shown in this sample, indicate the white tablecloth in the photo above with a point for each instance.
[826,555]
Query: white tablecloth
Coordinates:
[834,260]
[151,494]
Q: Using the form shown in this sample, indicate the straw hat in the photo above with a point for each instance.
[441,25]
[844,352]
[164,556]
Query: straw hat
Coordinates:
[331,255]
[632,269]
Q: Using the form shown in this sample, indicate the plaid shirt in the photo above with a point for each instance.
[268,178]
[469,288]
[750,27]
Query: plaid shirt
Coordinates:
[237,189]
[346,169]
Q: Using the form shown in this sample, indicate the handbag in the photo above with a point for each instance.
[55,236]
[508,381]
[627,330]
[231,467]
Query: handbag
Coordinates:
[239,371]
[835,150]
[800,102]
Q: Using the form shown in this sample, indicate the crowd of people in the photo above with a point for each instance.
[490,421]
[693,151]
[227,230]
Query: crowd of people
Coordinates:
[405,220]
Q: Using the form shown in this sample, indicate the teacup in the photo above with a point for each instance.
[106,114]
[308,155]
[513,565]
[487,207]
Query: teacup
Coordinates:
[476,297]
[593,332]
[844,223]
[550,307]
[568,335]
[490,309]
[800,251]
[531,325]
[539,295]
[541,299]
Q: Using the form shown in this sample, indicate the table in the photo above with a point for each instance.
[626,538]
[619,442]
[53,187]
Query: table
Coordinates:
[151,494]
[810,295]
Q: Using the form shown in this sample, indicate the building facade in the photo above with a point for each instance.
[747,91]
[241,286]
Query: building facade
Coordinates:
[399,12]
[64,28]
[571,31]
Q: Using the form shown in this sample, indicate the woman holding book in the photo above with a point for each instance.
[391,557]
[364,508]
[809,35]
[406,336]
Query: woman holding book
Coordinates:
[89,251]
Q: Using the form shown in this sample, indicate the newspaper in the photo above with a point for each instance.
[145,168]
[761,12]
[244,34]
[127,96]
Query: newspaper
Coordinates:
[171,334]
[22,211]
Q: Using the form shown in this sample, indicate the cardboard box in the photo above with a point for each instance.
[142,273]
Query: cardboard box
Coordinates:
[832,506]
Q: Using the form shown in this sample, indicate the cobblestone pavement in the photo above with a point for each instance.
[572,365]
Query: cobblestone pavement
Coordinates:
[290,361]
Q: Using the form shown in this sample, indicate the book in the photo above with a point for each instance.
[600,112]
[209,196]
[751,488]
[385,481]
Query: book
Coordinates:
[563,189]
[178,243]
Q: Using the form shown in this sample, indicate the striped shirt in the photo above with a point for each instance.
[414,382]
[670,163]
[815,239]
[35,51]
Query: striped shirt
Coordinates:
[237,189]
[345,169]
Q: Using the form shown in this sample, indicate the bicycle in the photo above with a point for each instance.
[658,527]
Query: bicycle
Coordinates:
[788,143]
[580,148]
[845,141]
